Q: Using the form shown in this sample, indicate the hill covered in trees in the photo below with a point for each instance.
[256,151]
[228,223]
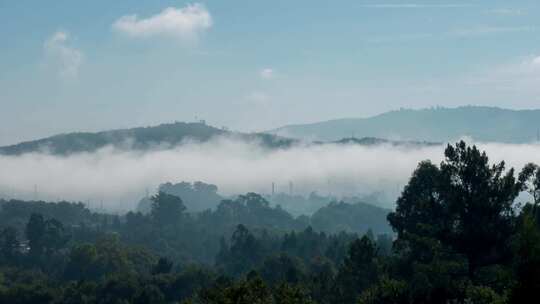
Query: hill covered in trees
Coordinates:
[143,138]
[434,124]
[197,196]
[168,136]
[397,128]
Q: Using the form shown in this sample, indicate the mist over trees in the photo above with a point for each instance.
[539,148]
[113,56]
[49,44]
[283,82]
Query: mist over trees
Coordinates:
[197,196]
[139,139]
[458,235]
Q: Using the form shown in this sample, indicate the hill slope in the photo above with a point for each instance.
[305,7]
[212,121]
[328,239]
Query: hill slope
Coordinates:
[437,124]
[136,139]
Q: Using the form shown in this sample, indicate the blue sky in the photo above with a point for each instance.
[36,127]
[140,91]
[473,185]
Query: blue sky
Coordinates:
[255,65]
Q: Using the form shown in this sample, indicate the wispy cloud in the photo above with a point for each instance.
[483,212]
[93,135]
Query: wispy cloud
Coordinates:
[488,30]
[521,76]
[400,38]
[181,23]
[456,33]
[507,11]
[415,5]
[64,59]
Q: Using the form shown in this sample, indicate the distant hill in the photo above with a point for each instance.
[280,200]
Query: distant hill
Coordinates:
[166,136]
[356,217]
[197,196]
[136,139]
[434,125]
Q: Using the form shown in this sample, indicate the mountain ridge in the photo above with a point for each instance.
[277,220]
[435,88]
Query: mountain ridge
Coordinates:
[139,138]
[400,127]
[431,124]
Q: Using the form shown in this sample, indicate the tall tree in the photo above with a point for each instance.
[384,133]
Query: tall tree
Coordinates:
[166,209]
[44,236]
[9,244]
[35,232]
[465,204]
[358,272]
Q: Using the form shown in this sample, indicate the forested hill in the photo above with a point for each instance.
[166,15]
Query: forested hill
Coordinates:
[166,136]
[137,139]
[435,124]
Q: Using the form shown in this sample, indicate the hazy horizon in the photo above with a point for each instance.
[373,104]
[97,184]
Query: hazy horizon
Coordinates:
[76,66]
[103,129]
[119,178]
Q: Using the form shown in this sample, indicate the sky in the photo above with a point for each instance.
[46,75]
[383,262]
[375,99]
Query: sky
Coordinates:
[256,65]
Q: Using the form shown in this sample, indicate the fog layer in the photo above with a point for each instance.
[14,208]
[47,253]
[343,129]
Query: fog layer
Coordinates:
[119,178]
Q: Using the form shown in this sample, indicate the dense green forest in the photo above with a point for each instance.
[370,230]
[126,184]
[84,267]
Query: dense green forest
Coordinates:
[362,211]
[459,234]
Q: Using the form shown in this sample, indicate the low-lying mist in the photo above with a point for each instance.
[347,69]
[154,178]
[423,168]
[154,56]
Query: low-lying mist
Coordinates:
[119,178]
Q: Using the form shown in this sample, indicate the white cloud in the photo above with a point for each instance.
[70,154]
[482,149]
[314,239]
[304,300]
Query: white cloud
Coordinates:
[267,73]
[63,58]
[536,61]
[416,5]
[181,23]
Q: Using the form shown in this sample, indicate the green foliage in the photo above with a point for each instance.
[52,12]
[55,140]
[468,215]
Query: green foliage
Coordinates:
[248,291]
[358,217]
[527,264]
[166,209]
[358,272]
[387,291]
[45,237]
[483,295]
[82,262]
[466,206]
[197,196]
[9,245]
[163,266]
[282,269]
[24,294]
[458,240]
[244,254]
[291,294]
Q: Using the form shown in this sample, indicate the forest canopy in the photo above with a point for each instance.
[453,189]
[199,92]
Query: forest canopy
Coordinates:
[458,234]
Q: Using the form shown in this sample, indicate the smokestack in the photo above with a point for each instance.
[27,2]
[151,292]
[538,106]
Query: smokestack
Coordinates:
[273,188]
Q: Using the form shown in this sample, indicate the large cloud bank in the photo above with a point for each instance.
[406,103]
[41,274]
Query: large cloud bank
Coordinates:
[120,178]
